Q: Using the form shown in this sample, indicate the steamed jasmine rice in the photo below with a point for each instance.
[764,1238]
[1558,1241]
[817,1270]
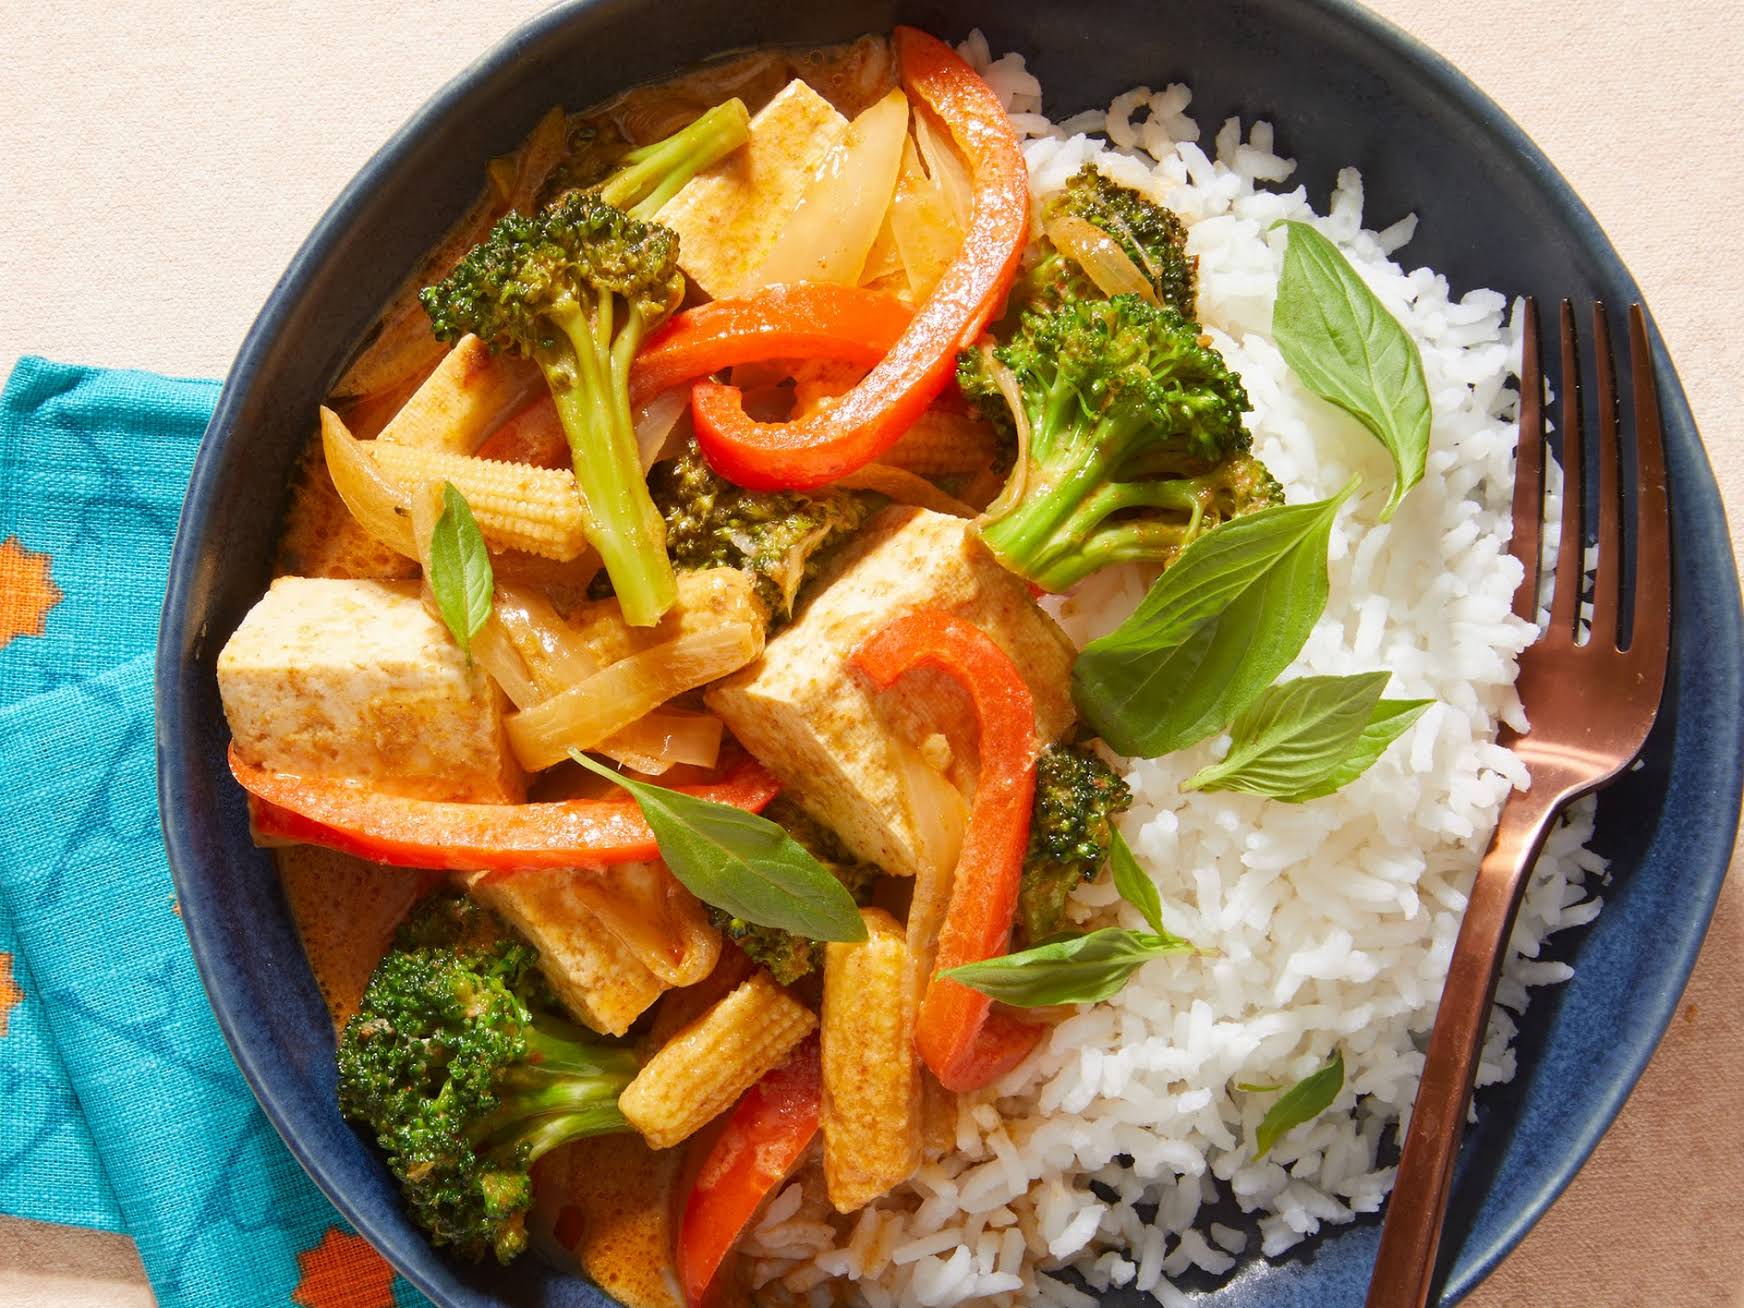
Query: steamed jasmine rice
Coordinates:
[1320,927]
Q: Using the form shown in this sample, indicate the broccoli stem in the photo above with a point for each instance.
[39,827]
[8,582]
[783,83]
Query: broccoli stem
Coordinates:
[650,176]
[1044,536]
[552,1132]
[587,1107]
[587,367]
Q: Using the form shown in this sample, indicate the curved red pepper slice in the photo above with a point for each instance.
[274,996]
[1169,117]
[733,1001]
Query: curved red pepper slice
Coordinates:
[420,833]
[809,320]
[865,422]
[965,1043]
[763,1138]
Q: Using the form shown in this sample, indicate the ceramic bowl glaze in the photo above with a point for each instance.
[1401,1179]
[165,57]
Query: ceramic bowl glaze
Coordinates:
[1343,88]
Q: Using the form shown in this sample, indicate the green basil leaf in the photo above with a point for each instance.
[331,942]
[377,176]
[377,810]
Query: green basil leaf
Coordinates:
[1247,1087]
[1302,1102]
[1134,884]
[1344,345]
[1388,721]
[1079,970]
[1215,630]
[1293,735]
[460,568]
[741,863]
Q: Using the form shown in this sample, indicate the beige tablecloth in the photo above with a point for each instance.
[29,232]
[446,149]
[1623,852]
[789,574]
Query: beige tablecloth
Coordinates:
[170,157]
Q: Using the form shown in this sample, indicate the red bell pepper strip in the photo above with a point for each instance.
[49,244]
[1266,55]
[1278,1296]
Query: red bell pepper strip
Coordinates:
[865,422]
[761,1141]
[421,833]
[809,320]
[965,1044]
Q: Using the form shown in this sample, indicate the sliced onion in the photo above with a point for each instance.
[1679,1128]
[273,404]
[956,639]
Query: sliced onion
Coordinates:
[923,225]
[655,918]
[1006,381]
[554,652]
[884,259]
[554,657]
[939,814]
[904,487]
[381,508]
[613,698]
[667,738]
[656,421]
[944,165]
[498,657]
[566,582]
[1100,255]
[837,219]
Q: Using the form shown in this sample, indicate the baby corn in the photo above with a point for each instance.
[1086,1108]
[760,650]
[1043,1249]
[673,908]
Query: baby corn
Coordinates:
[944,444]
[702,1071]
[517,506]
[872,1090]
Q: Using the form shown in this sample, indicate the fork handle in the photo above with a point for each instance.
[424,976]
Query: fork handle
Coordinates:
[1411,1235]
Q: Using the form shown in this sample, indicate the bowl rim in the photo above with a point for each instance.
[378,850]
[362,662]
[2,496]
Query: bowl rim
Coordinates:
[1703,515]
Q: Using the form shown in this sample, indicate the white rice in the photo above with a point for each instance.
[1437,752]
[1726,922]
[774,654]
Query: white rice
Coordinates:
[1324,926]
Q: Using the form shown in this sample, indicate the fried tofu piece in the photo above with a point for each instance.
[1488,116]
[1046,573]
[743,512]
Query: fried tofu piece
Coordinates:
[845,751]
[872,1092]
[701,1072]
[729,216]
[597,976]
[343,678]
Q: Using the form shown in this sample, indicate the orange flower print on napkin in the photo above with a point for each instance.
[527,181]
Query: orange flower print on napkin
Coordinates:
[343,1272]
[11,995]
[27,592]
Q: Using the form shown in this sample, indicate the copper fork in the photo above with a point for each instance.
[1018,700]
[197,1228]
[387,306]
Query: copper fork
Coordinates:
[1590,704]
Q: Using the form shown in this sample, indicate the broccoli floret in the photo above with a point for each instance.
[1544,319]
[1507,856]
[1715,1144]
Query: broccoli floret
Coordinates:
[788,956]
[778,537]
[1150,235]
[642,180]
[458,1061]
[1136,442]
[1077,796]
[576,288]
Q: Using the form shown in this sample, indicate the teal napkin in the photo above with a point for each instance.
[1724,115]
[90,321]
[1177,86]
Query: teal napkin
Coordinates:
[122,1107]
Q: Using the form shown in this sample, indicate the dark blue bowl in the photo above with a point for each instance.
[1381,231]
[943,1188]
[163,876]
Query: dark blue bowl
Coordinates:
[1343,88]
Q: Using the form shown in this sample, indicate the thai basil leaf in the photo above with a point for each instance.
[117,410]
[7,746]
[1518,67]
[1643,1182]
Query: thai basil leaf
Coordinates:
[1389,720]
[1346,348]
[1293,735]
[1134,885]
[1248,1087]
[460,568]
[741,863]
[1302,1102]
[1215,630]
[1076,970]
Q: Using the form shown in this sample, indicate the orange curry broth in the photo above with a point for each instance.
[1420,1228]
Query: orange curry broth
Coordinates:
[605,1202]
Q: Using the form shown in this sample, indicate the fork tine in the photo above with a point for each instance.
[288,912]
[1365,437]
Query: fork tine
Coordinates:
[1650,631]
[1528,543]
[1608,577]
[1571,551]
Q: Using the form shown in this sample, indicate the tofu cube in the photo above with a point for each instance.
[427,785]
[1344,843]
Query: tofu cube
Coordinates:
[330,677]
[597,976]
[729,216]
[844,750]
